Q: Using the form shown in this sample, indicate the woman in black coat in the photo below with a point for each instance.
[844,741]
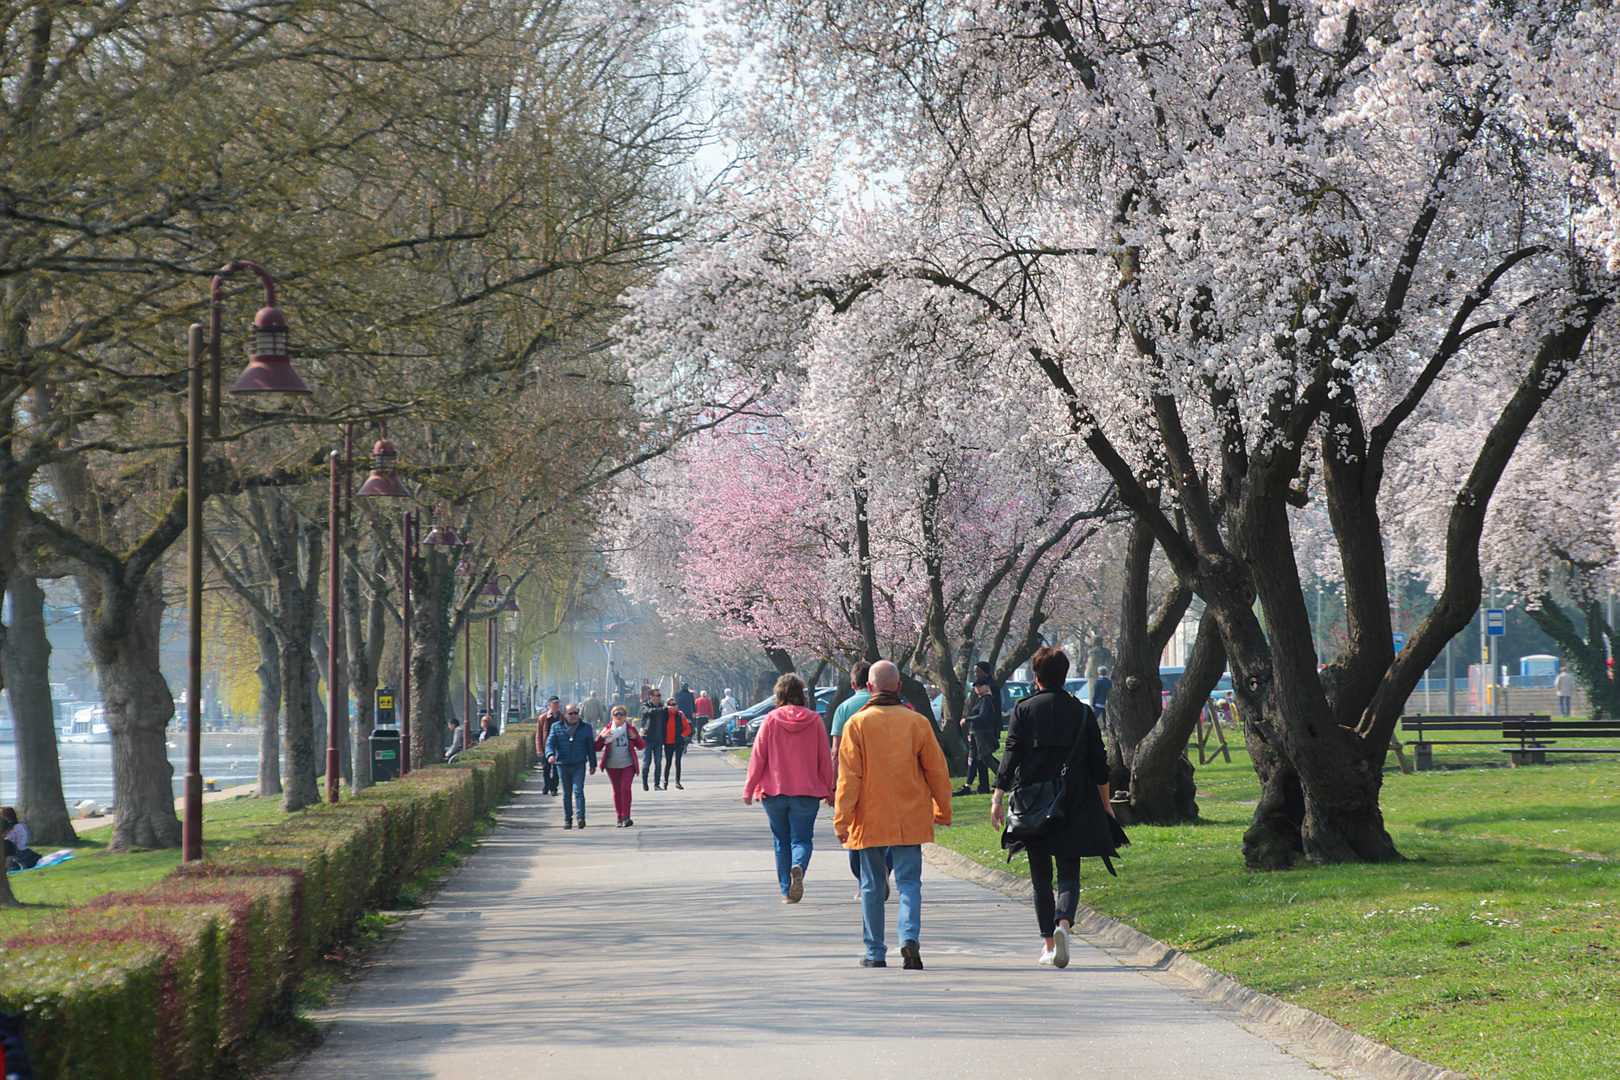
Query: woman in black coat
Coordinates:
[1048,730]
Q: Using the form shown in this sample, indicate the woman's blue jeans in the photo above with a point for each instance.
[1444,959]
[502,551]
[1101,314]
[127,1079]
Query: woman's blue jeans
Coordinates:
[793,826]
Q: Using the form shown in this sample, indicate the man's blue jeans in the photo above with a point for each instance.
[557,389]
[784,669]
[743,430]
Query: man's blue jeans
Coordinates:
[793,827]
[907,882]
[573,788]
[855,862]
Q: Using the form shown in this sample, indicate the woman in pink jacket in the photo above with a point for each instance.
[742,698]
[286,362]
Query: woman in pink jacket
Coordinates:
[791,772]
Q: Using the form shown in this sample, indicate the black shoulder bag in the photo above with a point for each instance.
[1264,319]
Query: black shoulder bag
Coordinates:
[1036,809]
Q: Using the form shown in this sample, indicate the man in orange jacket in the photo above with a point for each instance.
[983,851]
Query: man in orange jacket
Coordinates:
[893,787]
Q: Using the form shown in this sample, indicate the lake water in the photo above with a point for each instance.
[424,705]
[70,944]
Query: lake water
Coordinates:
[87,769]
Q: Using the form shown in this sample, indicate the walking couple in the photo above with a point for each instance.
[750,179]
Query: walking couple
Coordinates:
[892,787]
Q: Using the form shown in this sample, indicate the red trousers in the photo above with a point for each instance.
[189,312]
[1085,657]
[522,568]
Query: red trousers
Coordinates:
[620,779]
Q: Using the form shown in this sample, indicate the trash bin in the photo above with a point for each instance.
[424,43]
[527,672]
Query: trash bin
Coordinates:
[385,750]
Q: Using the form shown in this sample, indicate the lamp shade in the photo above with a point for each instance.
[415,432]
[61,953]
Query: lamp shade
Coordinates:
[491,588]
[270,369]
[384,481]
[511,602]
[442,536]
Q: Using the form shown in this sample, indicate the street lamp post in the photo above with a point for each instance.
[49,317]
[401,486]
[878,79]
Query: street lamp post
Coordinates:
[269,371]
[509,608]
[492,587]
[383,483]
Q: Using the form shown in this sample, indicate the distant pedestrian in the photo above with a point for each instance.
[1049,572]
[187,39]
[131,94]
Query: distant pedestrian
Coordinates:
[488,727]
[653,729]
[684,700]
[618,744]
[1052,736]
[1564,684]
[983,727]
[702,709]
[981,670]
[791,772]
[728,704]
[570,748]
[455,746]
[553,715]
[893,787]
[592,712]
[678,735]
[1099,695]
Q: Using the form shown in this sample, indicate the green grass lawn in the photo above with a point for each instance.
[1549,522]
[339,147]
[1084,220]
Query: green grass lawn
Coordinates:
[1494,950]
[94,870]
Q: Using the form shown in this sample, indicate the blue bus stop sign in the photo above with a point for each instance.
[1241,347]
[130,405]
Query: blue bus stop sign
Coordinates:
[1495,622]
[1400,641]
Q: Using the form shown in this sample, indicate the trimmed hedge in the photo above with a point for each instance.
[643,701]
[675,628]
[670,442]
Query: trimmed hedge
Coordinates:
[166,982]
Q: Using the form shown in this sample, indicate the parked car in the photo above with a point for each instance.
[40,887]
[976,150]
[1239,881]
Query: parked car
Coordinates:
[1170,676]
[824,696]
[713,733]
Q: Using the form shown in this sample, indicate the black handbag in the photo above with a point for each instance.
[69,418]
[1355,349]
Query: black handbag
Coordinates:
[1036,809]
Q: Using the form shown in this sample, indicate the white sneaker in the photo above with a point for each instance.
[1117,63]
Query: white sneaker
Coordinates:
[1048,958]
[1060,949]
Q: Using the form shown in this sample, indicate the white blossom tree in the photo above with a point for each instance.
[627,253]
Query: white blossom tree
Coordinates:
[1248,248]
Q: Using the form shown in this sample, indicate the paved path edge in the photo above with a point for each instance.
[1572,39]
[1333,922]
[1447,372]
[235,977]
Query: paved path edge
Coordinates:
[1135,949]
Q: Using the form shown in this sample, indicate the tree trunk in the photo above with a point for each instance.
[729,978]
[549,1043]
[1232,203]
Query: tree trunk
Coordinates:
[317,703]
[434,631]
[294,559]
[298,725]
[1162,789]
[269,672]
[1136,702]
[139,707]
[866,607]
[27,655]
[1279,690]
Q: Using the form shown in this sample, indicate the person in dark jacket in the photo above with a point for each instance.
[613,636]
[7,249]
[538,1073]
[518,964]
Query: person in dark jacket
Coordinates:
[685,700]
[983,724]
[1099,694]
[542,734]
[1052,730]
[570,748]
[655,729]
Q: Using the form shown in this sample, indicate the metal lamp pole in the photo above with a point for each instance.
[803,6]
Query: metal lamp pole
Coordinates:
[511,608]
[383,483]
[269,371]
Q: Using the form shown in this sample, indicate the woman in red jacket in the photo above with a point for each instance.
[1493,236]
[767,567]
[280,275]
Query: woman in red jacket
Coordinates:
[791,770]
[618,744]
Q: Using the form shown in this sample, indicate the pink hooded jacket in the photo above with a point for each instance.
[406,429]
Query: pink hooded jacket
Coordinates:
[791,756]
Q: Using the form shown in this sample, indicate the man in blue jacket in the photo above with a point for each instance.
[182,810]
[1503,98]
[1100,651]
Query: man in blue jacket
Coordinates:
[571,747]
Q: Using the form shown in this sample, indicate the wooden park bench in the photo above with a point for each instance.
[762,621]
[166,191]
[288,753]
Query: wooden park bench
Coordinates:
[1535,734]
[1423,726]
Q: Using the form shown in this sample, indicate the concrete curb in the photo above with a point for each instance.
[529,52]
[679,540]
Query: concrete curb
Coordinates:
[1135,949]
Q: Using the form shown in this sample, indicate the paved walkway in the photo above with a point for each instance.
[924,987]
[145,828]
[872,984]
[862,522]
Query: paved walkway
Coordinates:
[664,951]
